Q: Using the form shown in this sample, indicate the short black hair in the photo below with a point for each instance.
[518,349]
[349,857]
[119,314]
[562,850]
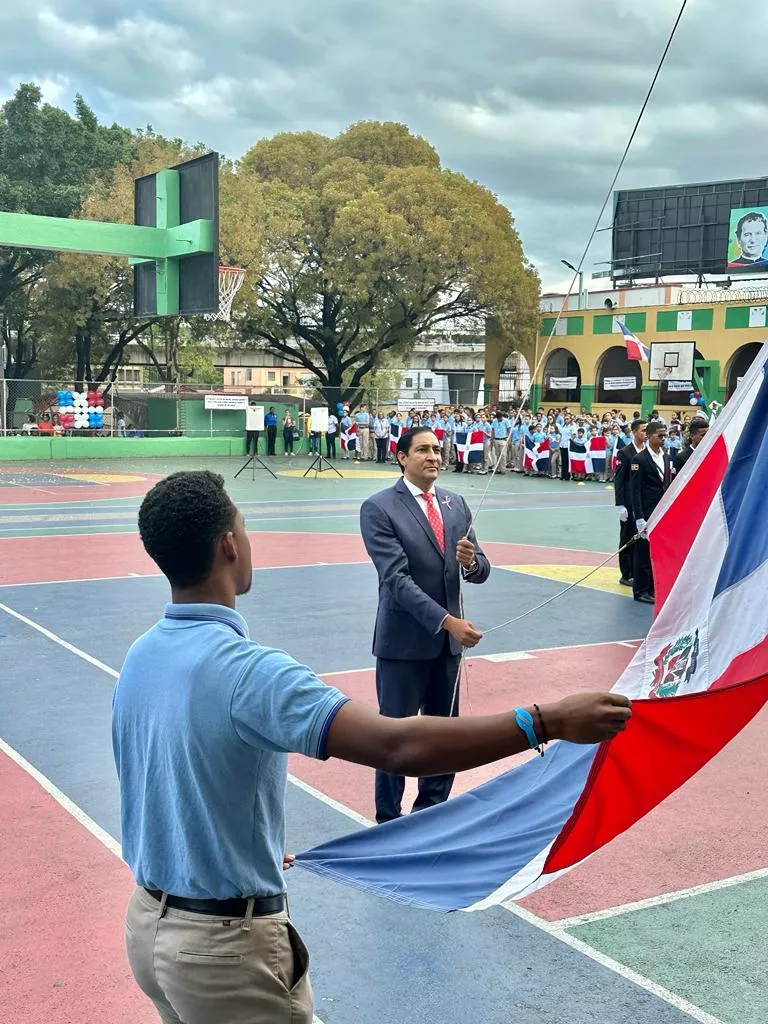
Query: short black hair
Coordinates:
[406,440]
[697,423]
[637,423]
[181,519]
[654,427]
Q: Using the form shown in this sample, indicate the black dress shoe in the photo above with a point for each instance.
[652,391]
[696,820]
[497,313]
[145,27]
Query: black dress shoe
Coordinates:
[645,599]
[624,582]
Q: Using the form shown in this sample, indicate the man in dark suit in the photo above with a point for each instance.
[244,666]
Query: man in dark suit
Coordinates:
[650,474]
[623,505]
[696,431]
[422,543]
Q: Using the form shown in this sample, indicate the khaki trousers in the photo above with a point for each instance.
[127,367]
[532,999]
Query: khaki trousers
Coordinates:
[199,969]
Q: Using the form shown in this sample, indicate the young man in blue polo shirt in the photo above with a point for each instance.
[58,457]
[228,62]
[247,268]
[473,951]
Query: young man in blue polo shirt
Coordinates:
[203,721]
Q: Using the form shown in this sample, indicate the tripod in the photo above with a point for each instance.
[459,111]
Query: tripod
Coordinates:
[252,460]
[317,464]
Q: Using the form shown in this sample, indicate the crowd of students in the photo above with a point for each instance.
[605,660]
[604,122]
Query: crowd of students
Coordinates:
[504,437]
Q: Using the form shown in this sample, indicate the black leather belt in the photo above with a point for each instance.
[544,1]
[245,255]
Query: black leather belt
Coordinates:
[223,908]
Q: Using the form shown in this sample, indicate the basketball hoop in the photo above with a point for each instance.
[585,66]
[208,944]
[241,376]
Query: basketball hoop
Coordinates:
[230,282]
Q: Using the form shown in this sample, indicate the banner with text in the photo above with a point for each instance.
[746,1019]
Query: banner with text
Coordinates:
[417,404]
[226,402]
[563,383]
[619,383]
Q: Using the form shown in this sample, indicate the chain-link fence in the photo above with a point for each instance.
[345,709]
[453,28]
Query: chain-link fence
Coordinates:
[161,409]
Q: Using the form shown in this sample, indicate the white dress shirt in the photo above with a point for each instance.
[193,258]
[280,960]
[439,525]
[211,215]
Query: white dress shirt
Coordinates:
[658,458]
[422,502]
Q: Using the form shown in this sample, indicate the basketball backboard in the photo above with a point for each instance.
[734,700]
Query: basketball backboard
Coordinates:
[186,194]
[672,360]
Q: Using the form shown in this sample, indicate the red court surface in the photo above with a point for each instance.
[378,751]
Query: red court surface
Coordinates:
[78,557]
[651,858]
[83,492]
[64,893]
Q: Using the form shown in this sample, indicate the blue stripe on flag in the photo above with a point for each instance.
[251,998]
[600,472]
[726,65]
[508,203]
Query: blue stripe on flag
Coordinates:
[454,855]
[745,497]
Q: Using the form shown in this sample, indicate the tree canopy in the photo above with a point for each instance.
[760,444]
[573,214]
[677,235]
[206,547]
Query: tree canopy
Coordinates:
[359,244]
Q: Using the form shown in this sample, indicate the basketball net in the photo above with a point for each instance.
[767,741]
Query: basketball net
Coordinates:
[230,282]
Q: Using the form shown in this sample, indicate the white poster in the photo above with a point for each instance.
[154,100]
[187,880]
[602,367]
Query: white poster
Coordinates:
[757,316]
[561,327]
[563,383]
[619,383]
[254,417]
[685,320]
[417,404]
[616,329]
[226,402]
[318,419]
[680,385]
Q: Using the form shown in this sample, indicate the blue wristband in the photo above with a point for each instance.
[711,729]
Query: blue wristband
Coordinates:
[524,721]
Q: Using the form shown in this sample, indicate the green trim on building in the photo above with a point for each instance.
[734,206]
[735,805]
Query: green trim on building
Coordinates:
[603,322]
[587,396]
[701,320]
[737,317]
[650,394]
[574,326]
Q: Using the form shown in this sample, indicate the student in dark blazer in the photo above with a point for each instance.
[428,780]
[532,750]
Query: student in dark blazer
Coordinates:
[696,433]
[420,539]
[627,531]
[650,474]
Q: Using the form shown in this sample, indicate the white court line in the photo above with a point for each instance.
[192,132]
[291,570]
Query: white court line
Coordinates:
[629,643]
[71,808]
[555,930]
[608,962]
[499,659]
[156,575]
[662,899]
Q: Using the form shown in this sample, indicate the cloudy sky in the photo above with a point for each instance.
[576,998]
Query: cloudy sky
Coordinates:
[534,100]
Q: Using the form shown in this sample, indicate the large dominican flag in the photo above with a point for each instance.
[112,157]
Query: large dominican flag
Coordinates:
[635,348]
[349,438]
[699,677]
[536,457]
[578,458]
[469,446]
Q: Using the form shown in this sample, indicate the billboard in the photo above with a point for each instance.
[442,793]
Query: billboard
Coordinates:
[689,229]
[748,242]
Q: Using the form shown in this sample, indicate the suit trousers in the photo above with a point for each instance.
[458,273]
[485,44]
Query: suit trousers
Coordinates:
[627,558]
[405,688]
[643,581]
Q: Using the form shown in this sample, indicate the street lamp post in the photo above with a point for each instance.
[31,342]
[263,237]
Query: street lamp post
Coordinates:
[570,266]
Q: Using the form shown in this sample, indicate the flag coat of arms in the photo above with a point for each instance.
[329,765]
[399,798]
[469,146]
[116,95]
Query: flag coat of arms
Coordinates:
[395,430]
[470,445]
[536,457]
[698,678]
[636,350]
[349,438]
[578,459]
[596,451]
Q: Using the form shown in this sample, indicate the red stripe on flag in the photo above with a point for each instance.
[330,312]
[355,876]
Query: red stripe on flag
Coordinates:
[665,744]
[672,537]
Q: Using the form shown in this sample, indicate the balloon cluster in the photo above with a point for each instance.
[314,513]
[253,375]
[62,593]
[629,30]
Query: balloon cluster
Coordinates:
[80,410]
[696,398]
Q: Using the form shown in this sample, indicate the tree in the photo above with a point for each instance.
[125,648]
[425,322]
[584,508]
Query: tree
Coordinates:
[48,159]
[359,244]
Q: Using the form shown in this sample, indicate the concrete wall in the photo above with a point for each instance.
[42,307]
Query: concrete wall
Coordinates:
[17,449]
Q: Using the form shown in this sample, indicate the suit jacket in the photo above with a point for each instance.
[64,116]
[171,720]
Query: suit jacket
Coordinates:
[418,585]
[646,485]
[621,478]
[682,457]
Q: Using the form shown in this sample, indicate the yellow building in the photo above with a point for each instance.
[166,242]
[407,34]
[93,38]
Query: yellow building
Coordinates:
[264,379]
[586,364]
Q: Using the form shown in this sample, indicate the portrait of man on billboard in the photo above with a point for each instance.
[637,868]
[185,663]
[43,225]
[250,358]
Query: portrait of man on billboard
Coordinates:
[748,245]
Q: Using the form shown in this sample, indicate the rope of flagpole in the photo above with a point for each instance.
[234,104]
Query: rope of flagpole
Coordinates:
[582,261]
[474,514]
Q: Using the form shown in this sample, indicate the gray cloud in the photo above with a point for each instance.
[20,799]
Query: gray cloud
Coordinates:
[536,103]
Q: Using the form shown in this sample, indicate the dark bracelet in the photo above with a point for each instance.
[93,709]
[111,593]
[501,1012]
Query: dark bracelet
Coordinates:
[542,727]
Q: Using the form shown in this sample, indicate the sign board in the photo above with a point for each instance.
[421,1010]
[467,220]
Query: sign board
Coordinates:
[619,383]
[563,383]
[318,419]
[254,417]
[680,385]
[237,402]
[417,404]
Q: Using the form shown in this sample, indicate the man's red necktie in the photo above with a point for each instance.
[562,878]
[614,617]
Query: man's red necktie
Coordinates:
[434,520]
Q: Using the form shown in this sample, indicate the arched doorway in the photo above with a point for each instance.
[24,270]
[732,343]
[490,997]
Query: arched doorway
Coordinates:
[741,360]
[562,370]
[673,392]
[514,379]
[619,380]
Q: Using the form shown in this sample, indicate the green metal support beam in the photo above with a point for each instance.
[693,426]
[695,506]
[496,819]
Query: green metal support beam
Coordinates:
[60,234]
[167,217]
